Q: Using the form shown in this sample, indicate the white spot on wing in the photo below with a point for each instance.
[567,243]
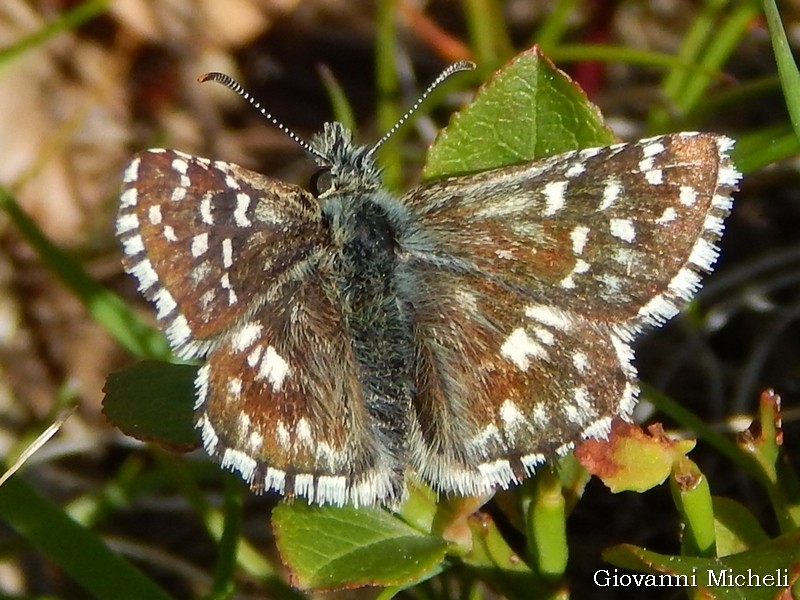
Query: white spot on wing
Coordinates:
[599,429]
[246,335]
[519,346]
[667,216]
[178,331]
[127,222]
[282,434]
[207,434]
[131,173]
[165,303]
[611,192]
[205,209]
[688,195]
[227,253]
[580,361]
[235,390]
[238,460]
[579,236]
[304,485]
[654,176]
[511,415]
[575,170]
[199,244]
[273,368]
[703,254]
[169,234]
[547,316]
[554,197]
[240,214]
[658,310]
[303,431]
[154,214]
[728,176]
[623,229]
[144,272]
[179,193]
[254,356]
[133,245]
[654,148]
[232,182]
[128,198]
[225,282]
[332,489]
[180,165]
[581,266]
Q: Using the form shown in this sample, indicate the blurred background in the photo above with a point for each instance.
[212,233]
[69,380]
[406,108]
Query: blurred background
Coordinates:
[84,85]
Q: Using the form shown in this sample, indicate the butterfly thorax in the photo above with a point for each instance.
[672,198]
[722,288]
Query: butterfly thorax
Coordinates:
[366,241]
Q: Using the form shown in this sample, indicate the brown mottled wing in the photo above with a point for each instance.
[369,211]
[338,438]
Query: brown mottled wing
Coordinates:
[207,239]
[279,401]
[231,258]
[540,277]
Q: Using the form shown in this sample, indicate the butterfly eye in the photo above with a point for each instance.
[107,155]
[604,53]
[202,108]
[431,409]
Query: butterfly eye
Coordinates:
[321,181]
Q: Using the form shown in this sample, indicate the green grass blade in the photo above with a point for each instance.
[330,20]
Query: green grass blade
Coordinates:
[224,583]
[78,551]
[555,24]
[622,54]
[787,68]
[105,307]
[763,148]
[487,32]
[68,21]
[388,111]
[722,45]
[689,52]
[342,110]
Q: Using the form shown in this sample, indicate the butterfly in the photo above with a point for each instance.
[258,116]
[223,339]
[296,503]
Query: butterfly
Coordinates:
[468,330]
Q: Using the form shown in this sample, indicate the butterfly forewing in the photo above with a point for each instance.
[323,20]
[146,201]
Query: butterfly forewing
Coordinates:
[209,241]
[617,234]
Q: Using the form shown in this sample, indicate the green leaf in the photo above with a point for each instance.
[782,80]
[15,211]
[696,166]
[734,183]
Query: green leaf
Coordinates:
[529,110]
[735,527]
[630,459]
[330,548]
[712,576]
[152,401]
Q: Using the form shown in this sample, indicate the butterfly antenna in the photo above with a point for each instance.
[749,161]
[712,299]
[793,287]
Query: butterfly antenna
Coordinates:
[233,85]
[456,67]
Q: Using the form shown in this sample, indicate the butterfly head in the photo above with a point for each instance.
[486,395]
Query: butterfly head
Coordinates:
[343,164]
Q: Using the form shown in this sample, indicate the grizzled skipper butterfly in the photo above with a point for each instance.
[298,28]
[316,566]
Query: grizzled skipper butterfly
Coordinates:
[469,330]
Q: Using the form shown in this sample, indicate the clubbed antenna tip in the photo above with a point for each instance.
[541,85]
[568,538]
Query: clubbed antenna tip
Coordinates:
[456,67]
[233,85]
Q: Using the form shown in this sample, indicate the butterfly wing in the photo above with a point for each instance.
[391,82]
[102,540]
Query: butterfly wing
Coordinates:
[232,260]
[279,401]
[208,241]
[536,279]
